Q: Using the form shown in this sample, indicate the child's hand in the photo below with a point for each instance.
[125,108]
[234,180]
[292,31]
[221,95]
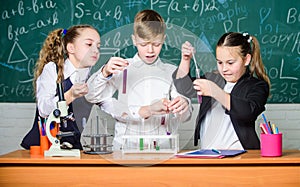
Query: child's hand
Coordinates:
[208,88]
[156,108]
[159,107]
[186,55]
[178,105]
[114,65]
[79,90]
[205,87]
[187,51]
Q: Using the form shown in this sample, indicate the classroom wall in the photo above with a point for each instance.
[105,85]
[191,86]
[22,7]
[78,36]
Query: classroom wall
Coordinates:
[17,120]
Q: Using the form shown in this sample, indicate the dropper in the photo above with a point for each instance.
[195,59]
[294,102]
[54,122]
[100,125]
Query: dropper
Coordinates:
[197,76]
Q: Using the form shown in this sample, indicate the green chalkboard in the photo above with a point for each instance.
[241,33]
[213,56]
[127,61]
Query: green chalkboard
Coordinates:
[25,24]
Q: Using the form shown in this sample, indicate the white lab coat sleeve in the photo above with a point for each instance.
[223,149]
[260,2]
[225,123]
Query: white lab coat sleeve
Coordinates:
[100,88]
[134,111]
[46,90]
[117,109]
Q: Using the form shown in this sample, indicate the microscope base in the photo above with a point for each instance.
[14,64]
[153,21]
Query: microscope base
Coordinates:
[58,152]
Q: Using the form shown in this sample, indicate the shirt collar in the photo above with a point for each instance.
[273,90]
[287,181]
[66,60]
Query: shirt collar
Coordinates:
[69,68]
[138,62]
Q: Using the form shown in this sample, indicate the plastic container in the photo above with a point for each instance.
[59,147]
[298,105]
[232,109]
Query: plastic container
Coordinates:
[271,145]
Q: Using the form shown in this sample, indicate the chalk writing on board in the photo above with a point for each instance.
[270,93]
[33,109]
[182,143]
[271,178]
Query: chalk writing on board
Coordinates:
[81,10]
[293,16]
[16,49]
[25,25]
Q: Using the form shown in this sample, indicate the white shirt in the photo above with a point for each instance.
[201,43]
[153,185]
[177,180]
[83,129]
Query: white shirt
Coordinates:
[217,130]
[145,85]
[46,85]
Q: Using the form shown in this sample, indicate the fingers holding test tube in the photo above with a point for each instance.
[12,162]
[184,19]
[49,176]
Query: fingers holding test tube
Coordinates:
[157,107]
[114,65]
[186,51]
[186,56]
[178,105]
[205,87]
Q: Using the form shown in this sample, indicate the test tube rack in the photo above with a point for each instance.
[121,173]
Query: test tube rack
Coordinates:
[150,143]
[99,144]
[99,138]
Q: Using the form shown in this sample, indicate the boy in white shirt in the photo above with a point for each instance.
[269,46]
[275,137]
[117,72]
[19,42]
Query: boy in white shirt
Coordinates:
[144,83]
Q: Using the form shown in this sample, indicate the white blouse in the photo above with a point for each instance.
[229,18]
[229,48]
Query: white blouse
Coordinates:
[146,83]
[46,85]
[217,130]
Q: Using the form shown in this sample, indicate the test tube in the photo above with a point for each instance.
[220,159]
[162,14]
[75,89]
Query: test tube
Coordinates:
[124,81]
[168,129]
[168,124]
[104,126]
[141,141]
[97,133]
[167,120]
[199,97]
[92,136]
[157,123]
[163,120]
[103,141]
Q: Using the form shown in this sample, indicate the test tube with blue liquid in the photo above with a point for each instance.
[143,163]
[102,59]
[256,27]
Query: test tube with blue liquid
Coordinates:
[197,71]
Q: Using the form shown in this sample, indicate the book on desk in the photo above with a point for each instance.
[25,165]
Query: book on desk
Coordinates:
[210,153]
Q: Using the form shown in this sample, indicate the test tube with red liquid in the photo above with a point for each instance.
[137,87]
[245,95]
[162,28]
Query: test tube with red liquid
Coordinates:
[124,81]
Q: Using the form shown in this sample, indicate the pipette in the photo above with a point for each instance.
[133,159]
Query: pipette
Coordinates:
[198,76]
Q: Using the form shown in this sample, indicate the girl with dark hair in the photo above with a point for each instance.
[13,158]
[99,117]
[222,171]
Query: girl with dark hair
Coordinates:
[233,96]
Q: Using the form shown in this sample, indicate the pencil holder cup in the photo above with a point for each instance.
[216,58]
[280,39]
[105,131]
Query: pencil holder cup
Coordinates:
[271,145]
[35,150]
[44,144]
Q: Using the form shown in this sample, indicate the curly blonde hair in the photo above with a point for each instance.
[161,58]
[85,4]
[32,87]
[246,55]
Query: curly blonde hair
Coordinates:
[53,50]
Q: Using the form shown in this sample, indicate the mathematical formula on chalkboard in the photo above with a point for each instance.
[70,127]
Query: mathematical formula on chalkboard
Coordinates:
[25,24]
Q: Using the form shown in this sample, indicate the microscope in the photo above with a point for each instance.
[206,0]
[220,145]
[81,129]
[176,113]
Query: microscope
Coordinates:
[59,115]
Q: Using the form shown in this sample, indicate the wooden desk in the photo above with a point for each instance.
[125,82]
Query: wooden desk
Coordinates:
[249,169]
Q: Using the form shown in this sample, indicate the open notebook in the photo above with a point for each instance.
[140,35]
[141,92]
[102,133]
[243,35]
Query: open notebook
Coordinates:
[208,153]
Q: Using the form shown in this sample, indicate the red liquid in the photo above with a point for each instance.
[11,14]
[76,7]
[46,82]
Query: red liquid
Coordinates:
[199,99]
[124,81]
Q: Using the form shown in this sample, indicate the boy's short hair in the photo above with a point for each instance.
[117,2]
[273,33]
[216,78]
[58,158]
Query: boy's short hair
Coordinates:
[148,24]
